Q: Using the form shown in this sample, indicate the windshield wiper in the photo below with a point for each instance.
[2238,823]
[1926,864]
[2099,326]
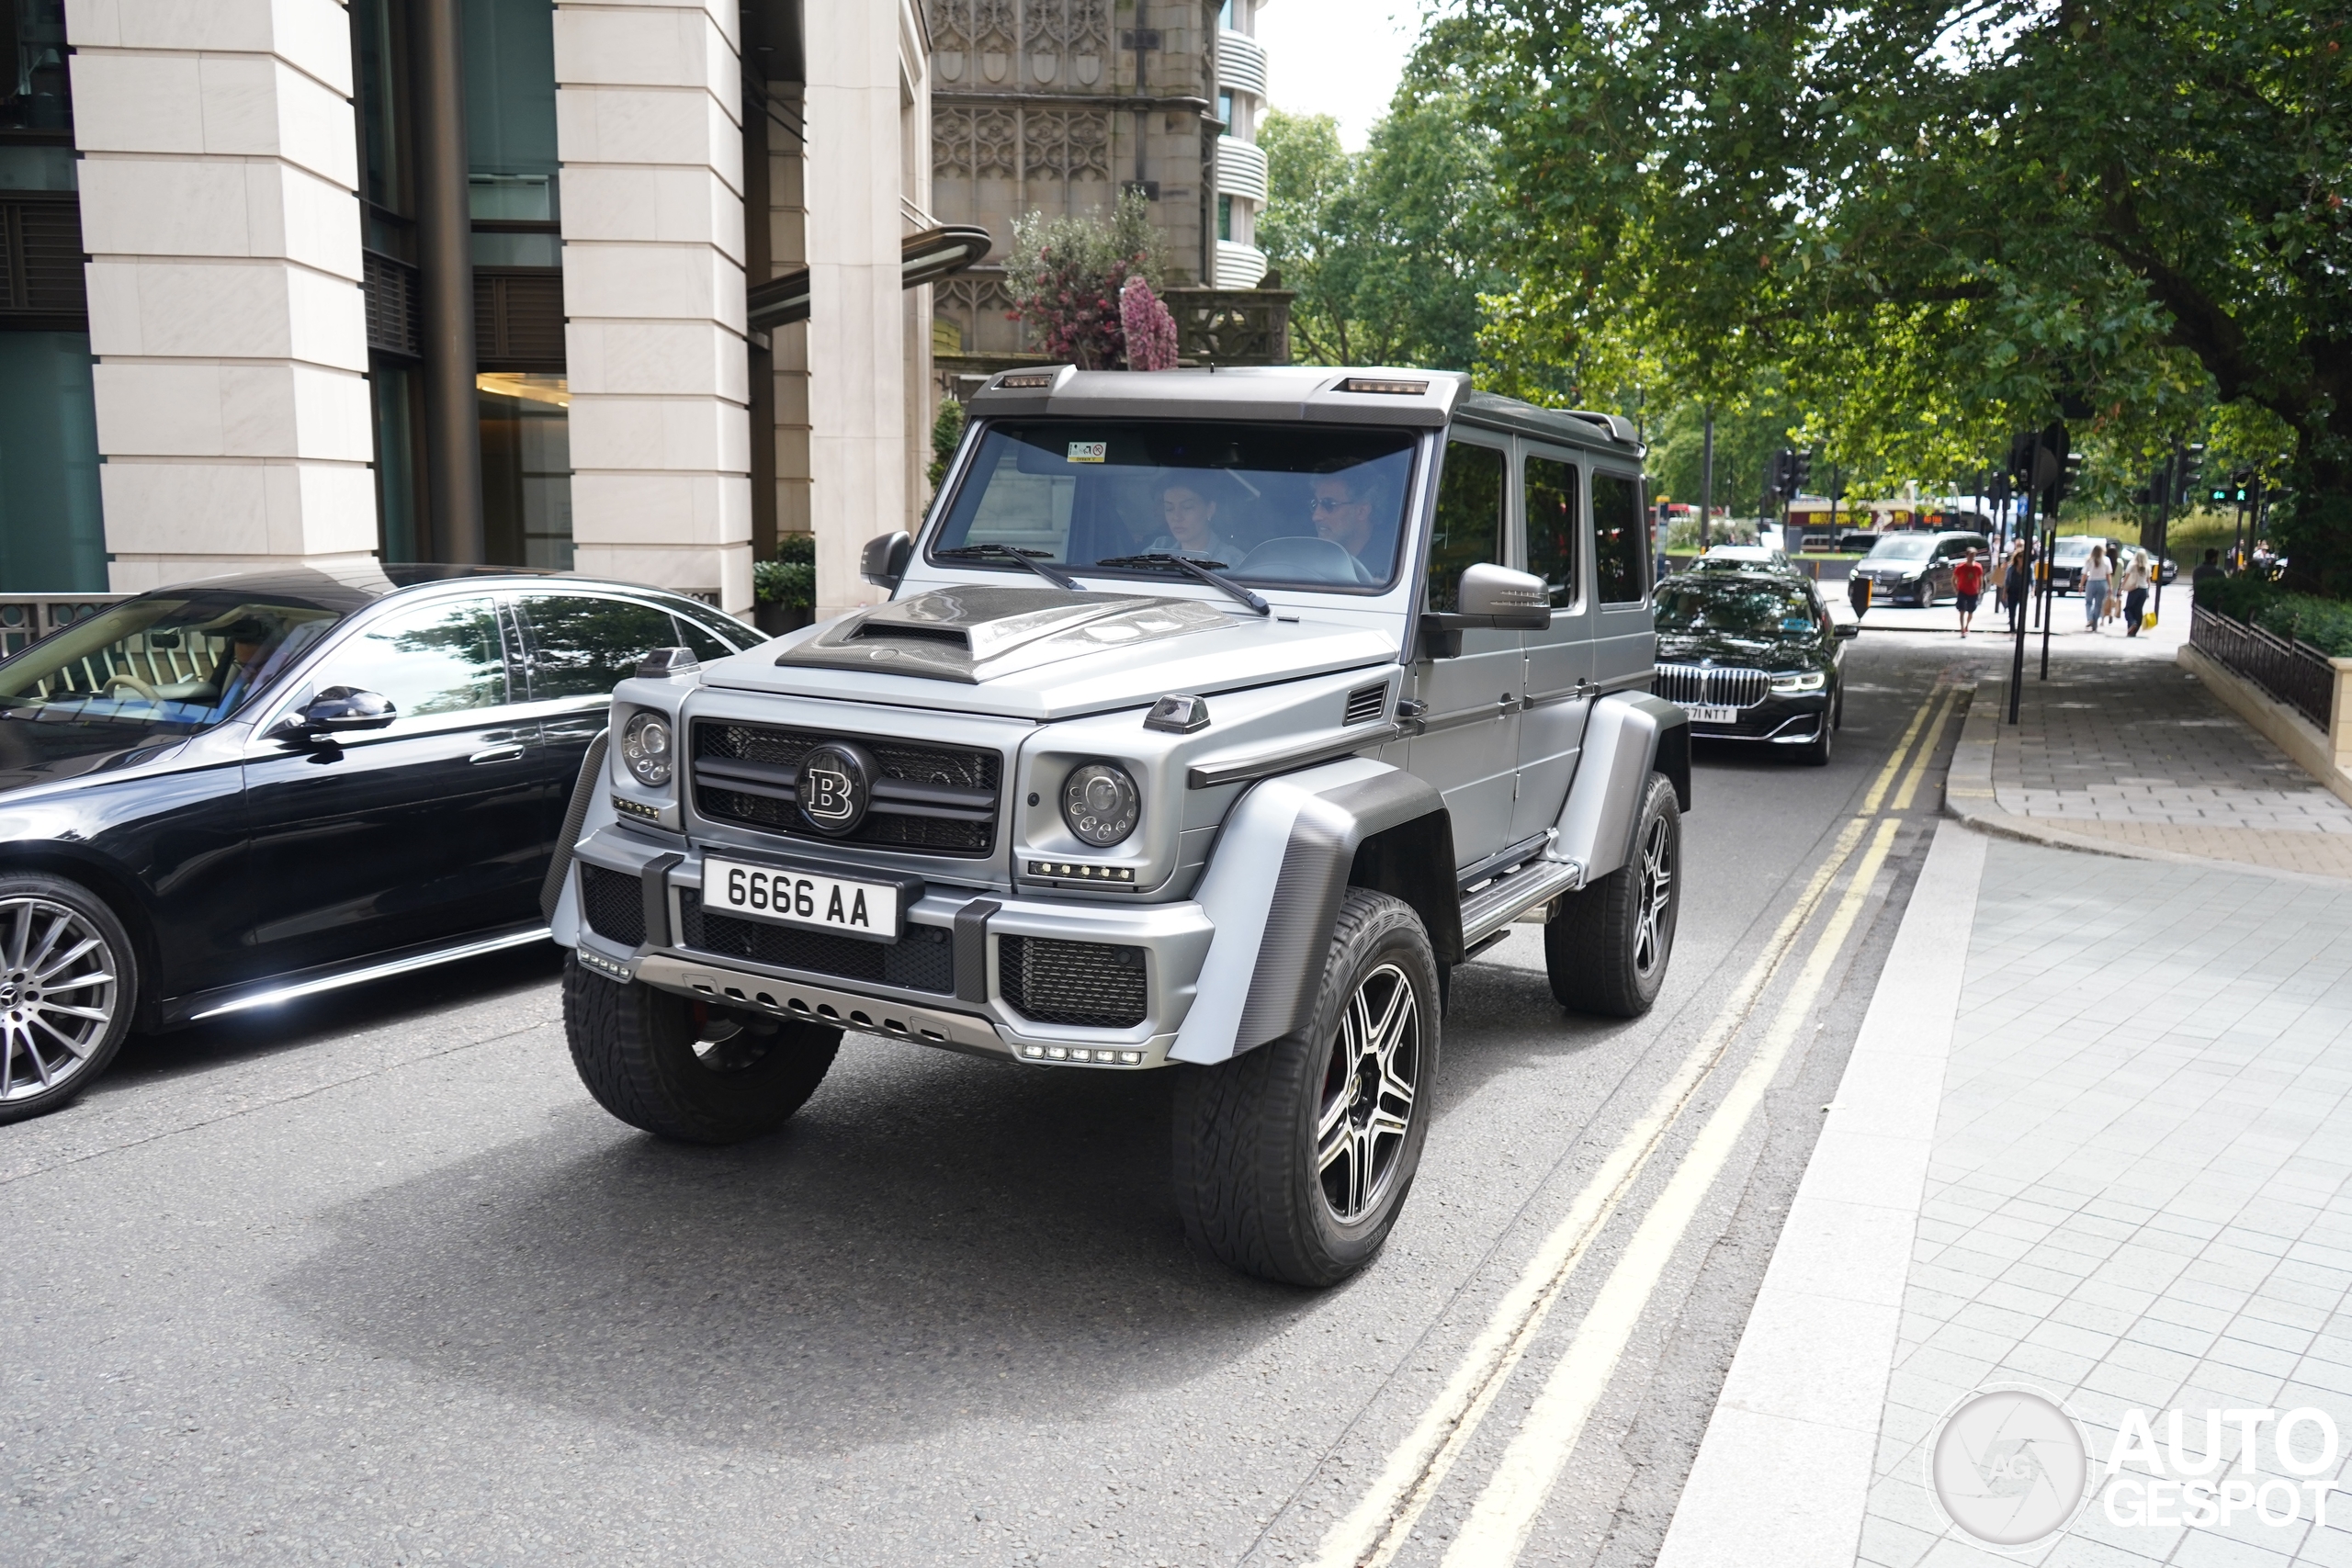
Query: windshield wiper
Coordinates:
[1197,569]
[1030,559]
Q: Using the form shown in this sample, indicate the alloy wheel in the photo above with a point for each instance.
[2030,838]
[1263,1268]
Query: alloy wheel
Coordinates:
[57,995]
[1656,897]
[1370,1083]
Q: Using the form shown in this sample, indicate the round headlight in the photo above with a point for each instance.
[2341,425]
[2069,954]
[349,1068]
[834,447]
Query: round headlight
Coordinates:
[645,749]
[1100,804]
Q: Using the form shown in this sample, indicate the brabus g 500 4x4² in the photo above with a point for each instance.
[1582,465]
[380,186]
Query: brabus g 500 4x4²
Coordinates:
[1211,720]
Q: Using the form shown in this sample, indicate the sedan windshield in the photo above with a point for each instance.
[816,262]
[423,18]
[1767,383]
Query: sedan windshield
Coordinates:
[1902,547]
[1746,609]
[1301,507]
[173,662]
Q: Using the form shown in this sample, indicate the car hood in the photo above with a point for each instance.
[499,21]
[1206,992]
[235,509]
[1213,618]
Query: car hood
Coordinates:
[1046,653]
[37,751]
[1721,648]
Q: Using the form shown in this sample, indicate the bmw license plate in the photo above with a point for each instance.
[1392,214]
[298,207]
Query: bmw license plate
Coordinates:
[801,898]
[1702,713]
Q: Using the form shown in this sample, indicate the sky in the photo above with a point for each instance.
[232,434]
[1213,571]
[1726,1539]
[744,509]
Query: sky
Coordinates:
[1338,57]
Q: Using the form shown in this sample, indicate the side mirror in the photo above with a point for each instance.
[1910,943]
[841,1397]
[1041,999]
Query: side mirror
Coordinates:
[336,711]
[884,561]
[1510,600]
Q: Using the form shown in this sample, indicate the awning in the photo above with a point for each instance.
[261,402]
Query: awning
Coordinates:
[922,258]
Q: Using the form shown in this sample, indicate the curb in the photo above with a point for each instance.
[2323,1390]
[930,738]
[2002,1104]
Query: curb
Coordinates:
[1783,1476]
[1969,799]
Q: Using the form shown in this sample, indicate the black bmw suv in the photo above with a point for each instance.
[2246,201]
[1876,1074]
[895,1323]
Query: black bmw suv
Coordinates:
[1752,656]
[247,789]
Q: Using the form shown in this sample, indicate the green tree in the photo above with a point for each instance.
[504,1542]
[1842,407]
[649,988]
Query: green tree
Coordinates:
[1946,224]
[1389,250]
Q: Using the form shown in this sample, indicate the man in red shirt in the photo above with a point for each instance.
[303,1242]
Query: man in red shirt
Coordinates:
[1968,584]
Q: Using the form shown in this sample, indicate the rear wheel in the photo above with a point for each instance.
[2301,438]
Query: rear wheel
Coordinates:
[1293,1160]
[67,981]
[1606,950]
[684,1069]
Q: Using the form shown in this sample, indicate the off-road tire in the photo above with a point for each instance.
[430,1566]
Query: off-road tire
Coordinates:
[52,906]
[1597,952]
[636,1049]
[1248,1180]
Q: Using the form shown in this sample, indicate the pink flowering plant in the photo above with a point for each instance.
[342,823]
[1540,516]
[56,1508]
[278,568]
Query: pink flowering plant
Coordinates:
[1070,281]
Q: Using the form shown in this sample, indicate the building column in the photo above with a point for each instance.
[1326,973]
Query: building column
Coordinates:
[857,407]
[648,103]
[219,211]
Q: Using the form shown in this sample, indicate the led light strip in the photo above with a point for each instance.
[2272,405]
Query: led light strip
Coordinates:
[1092,1055]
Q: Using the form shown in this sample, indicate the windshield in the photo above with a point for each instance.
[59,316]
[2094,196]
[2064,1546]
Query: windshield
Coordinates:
[1291,506]
[2074,550]
[1748,609]
[174,661]
[1913,547]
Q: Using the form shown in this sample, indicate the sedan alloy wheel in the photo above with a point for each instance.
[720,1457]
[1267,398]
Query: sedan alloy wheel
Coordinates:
[60,990]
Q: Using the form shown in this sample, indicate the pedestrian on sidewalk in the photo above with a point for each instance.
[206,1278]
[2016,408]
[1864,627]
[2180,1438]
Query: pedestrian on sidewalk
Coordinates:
[2136,593]
[1968,586]
[2013,584]
[2096,575]
[2208,570]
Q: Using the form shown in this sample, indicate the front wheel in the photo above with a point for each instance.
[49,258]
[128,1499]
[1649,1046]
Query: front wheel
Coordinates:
[684,1069]
[1605,951]
[68,978]
[1293,1160]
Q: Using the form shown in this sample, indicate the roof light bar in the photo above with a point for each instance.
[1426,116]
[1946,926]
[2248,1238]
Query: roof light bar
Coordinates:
[1390,389]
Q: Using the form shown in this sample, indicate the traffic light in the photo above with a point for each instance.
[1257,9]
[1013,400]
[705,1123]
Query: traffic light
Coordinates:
[2069,475]
[1800,471]
[2188,467]
[1784,472]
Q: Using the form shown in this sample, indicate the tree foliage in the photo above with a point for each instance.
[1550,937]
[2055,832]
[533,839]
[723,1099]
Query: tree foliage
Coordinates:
[1064,275]
[1937,224]
[1389,250]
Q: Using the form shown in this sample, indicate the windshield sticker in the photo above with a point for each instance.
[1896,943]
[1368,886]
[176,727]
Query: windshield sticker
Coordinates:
[1089,451]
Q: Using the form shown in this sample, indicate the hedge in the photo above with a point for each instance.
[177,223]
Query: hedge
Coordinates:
[2322,624]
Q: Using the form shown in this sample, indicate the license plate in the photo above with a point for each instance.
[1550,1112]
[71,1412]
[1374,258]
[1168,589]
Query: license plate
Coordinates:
[801,898]
[1702,713]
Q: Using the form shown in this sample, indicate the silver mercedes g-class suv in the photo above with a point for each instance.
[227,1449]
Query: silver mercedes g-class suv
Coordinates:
[1212,720]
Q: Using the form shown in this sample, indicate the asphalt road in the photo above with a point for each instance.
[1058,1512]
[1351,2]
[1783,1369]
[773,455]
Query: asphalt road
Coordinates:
[371,1280]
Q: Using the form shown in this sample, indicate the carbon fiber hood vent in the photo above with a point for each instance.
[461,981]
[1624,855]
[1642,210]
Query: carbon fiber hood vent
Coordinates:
[981,632]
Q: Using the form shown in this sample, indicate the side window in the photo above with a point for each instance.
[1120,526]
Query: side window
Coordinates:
[583,647]
[1618,538]
[441,657]
[1552,527]
[692,634]
[1469,528]
[719,622]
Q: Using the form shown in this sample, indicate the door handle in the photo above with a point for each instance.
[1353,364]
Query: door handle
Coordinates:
[509,752]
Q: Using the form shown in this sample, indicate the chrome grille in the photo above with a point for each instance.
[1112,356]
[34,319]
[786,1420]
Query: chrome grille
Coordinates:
[1701,686]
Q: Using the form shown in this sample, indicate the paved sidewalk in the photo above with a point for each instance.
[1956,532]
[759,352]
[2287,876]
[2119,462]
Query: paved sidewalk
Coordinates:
[2120,751]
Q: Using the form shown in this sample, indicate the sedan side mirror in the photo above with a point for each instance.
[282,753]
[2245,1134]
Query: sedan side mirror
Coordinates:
[336,711]
[884,562]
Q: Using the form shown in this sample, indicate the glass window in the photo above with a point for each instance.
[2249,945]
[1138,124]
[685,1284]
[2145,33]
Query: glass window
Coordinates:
[1224,218]
[53,537]
[704,643]
[1297,505]
[1617,537]
[427,659]
[1469,528]
[1552,527]
[170,662]
[35,93]
[525,468]
[583,647]
[716,622]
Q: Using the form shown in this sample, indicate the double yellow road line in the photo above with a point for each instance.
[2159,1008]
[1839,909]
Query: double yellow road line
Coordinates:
[1372,1533]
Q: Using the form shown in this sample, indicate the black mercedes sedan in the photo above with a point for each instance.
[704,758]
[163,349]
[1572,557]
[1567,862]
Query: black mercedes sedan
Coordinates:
[1751,656]
[247,789]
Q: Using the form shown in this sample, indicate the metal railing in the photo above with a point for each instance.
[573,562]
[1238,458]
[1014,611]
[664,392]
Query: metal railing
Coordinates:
[27,617]
[2297,675]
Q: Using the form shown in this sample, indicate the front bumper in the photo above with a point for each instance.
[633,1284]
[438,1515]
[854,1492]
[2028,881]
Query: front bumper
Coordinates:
[973,1013]
[1779,721]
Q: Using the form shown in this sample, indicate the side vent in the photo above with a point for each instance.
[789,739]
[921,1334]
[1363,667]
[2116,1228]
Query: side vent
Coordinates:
[1366,703]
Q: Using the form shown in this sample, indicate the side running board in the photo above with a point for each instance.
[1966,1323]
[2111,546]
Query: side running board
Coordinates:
[1506,898]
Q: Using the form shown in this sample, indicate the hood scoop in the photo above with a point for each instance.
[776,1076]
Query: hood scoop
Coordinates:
[975,633]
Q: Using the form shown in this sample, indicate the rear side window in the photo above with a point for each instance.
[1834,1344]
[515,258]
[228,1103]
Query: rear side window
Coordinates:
[1553,526]
[584,647]
[691,634]
[1617,537]
[1469,519]
[439,658]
